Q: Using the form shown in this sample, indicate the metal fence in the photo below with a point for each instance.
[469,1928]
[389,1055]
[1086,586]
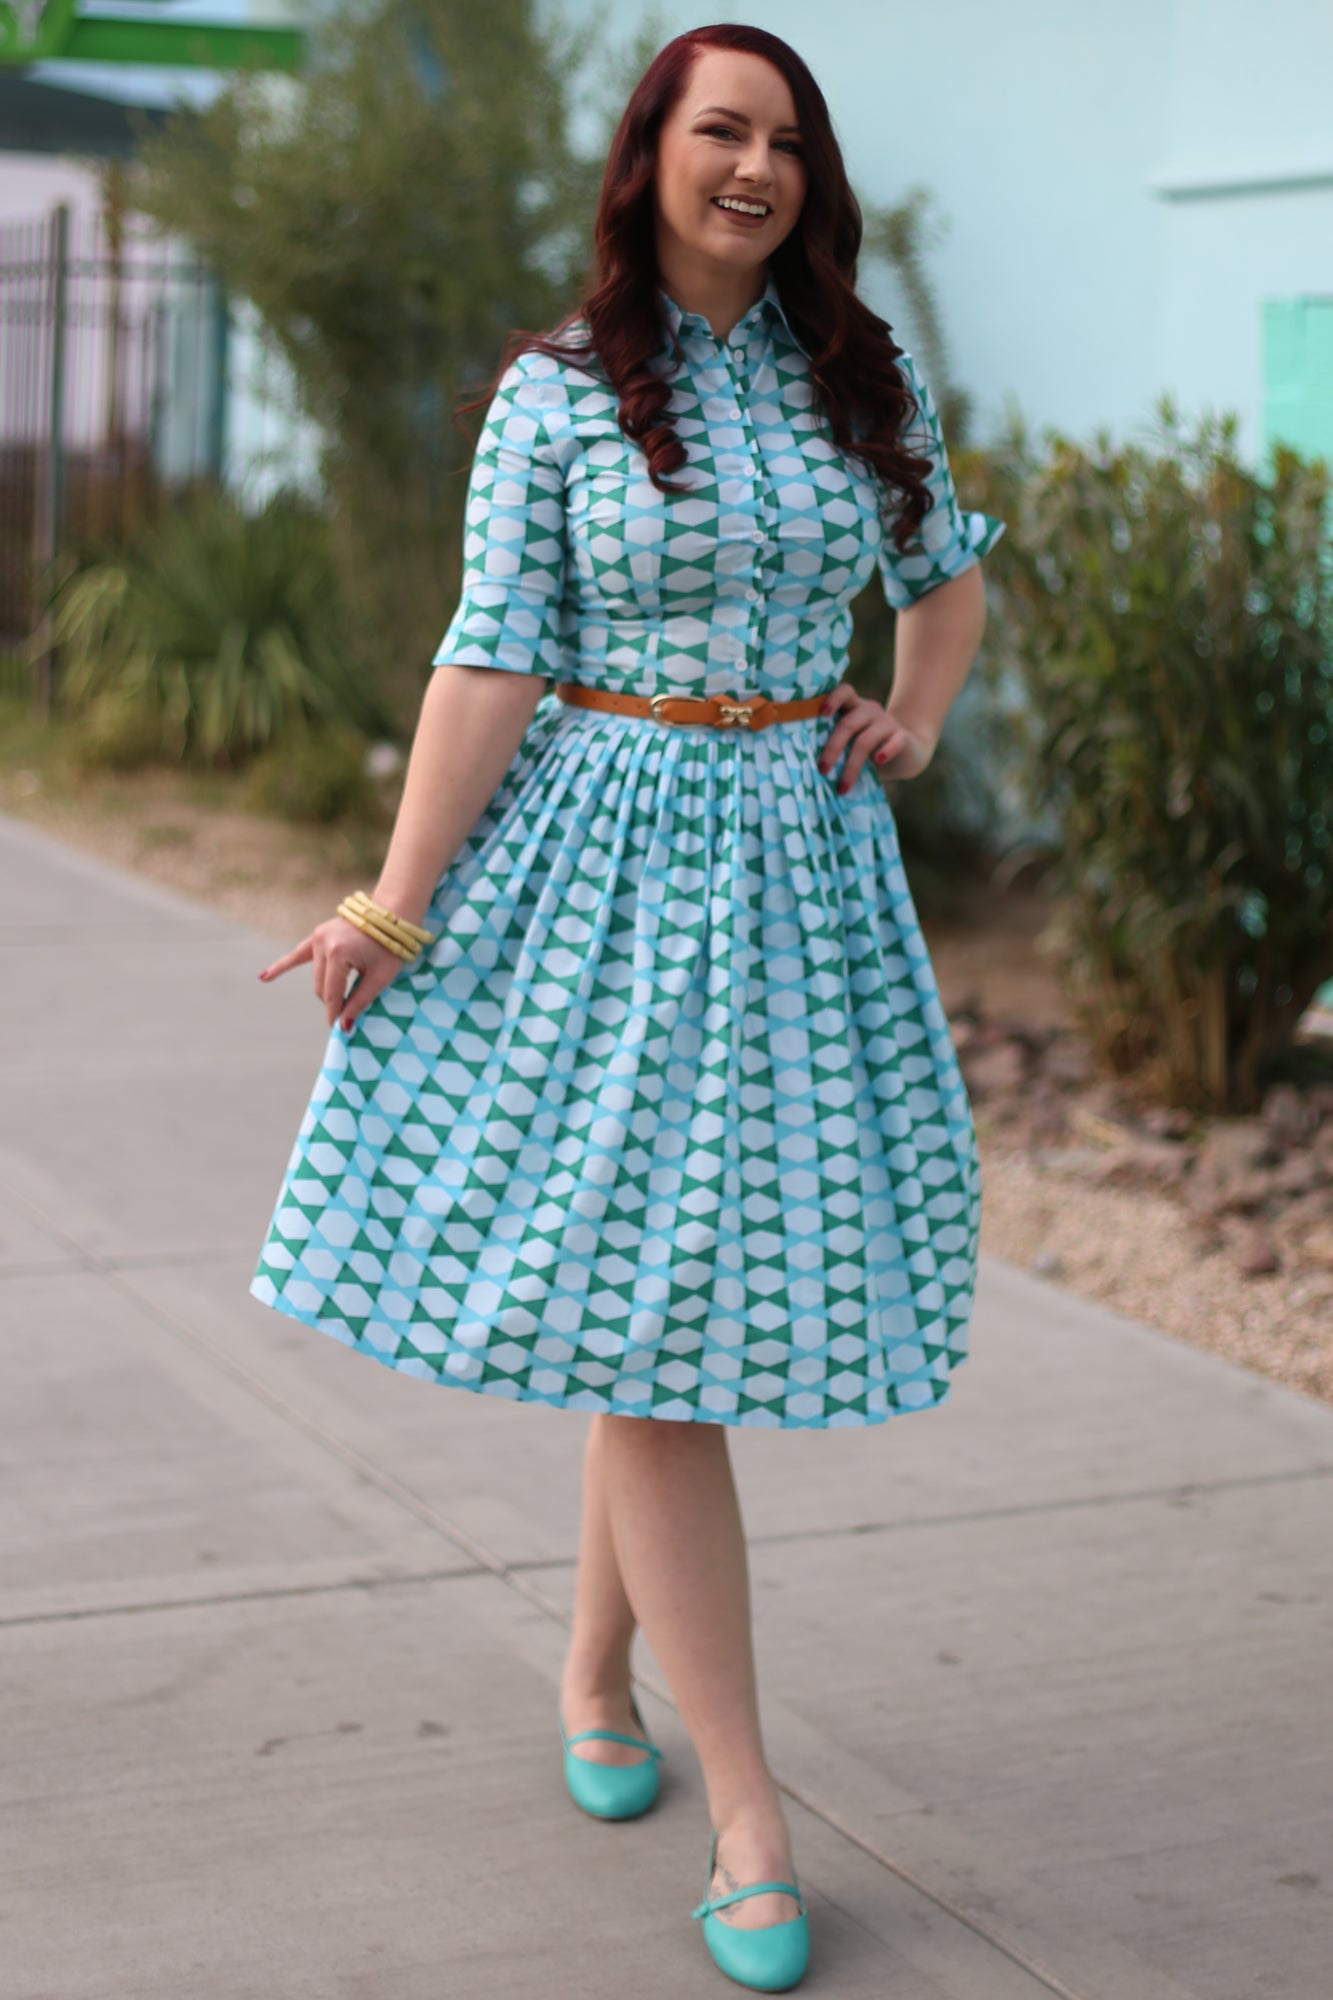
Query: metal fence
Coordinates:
[113,374]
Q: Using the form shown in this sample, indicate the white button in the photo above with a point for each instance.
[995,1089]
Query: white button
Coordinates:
[758,535]
[752,597]
[748,466]
[733,413]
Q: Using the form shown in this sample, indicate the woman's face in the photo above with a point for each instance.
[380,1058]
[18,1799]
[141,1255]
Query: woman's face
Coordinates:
[730,177]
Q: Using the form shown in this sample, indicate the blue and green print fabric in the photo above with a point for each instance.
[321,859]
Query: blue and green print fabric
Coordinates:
[668,1121]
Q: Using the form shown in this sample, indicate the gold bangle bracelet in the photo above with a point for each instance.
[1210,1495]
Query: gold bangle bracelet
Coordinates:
[411,933]
[372,930]
[388,920]
[381,937]
[355,918]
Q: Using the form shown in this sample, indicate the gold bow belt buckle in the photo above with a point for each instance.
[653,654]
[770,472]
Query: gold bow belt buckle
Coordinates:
[727,710]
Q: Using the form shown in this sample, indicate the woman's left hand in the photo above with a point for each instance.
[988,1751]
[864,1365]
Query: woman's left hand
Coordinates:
[899,750]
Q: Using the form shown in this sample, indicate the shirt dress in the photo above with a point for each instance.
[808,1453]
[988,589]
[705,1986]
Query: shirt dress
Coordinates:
[668,1121]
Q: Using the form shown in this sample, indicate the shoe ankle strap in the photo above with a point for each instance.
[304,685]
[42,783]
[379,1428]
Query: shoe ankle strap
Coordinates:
[613,1736]
[710,1904]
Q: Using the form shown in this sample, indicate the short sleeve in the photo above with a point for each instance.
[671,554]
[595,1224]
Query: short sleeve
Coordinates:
[948,540]
[509,612]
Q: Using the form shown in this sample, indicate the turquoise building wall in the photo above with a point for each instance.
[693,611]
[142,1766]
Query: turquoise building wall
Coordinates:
[1127,189]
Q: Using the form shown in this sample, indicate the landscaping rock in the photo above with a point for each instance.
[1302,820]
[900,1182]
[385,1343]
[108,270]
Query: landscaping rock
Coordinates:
[994,1071]
[1233,1146]
[1084,1161]
[1208,1193]
[1316,1247]
[1166,1121]
[1286,1112]
[1300,1172]
[1256,1254]
[1066,1061]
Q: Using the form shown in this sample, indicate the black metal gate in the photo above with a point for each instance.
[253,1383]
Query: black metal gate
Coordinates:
[113,372]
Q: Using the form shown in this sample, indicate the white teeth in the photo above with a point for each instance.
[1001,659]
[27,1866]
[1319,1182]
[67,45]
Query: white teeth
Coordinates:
[743,207]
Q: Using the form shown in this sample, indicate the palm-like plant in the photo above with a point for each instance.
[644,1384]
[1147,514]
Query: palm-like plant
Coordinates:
[217,629]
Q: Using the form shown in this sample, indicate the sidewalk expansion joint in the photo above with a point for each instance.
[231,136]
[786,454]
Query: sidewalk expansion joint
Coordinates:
[511,1575]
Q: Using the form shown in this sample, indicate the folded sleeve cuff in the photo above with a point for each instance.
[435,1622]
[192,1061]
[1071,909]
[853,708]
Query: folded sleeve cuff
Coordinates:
[917,570]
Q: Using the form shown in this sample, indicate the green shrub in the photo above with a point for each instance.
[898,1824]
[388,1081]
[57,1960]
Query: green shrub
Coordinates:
[216,634]
[113,732]
[951,819]
[320,778]
[1167,614]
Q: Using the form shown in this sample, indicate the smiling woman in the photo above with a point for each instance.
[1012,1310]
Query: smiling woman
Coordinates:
[744,165]
[663,1122]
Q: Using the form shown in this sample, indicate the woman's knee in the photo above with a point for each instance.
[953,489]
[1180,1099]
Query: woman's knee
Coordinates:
[680,1436]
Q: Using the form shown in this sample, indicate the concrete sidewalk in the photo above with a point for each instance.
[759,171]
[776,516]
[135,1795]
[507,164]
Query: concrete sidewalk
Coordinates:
[1045,1672]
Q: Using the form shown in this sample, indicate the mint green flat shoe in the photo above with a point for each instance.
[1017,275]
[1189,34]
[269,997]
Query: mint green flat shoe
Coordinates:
[611,1791]
[770,1958]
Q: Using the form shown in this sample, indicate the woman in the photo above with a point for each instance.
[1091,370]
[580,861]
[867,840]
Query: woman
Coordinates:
[663,1120]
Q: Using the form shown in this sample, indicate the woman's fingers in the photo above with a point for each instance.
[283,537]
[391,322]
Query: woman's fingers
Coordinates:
[852,711]
[368,984]
[894,743]
[297,956]
[334,951]
[862,727]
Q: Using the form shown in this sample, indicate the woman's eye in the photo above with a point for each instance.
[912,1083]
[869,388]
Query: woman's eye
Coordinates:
[725,131]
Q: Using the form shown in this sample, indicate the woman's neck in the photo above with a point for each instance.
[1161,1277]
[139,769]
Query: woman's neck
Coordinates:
[719,296]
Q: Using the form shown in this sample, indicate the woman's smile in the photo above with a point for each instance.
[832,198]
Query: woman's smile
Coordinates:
[742,209]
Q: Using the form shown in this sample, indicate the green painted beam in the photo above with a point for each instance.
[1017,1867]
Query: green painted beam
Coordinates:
[188,44]
[58,34]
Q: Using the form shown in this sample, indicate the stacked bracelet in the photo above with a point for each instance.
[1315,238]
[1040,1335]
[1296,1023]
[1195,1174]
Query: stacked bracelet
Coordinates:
[401,937]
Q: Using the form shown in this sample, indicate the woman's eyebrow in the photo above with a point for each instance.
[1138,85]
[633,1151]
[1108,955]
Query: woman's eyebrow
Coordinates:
[740,117]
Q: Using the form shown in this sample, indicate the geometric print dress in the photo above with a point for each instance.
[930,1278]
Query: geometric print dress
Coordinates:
[668,1121]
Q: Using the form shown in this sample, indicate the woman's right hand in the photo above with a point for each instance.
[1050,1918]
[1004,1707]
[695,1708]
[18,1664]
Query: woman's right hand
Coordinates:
[335,949]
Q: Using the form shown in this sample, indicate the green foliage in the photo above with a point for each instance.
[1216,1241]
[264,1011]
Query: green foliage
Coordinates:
[212,636]
[392,213]
[320,777]
[902,237]
[1168,618]
[950,818]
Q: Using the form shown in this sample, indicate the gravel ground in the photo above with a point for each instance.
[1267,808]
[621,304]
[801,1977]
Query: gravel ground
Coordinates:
[1132,1249]
[1135,1250]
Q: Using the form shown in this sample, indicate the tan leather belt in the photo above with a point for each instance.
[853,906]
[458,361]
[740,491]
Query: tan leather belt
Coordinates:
[723,711]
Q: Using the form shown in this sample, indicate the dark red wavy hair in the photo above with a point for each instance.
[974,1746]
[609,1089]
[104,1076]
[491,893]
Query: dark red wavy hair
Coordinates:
[852,351]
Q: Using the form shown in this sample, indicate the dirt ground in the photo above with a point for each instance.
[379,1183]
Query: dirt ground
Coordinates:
[1132,1248]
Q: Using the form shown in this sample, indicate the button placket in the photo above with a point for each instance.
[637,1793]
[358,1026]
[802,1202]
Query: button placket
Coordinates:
[765,530]
[735,355]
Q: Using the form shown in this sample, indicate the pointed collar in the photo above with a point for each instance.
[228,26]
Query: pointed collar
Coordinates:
[768,306]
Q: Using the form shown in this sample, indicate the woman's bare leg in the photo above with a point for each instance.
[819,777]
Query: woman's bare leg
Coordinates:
[679,1543]
[595,1685]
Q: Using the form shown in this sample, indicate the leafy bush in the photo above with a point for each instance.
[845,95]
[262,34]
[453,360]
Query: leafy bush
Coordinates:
[1168,616]
[215,634]
[321,778]
[949,819]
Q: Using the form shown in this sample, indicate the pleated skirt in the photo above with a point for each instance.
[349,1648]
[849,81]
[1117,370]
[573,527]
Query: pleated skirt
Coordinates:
[668,1121]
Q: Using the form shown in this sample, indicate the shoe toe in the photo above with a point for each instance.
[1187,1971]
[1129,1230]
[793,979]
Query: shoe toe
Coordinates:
[611,1791]
[769,1958]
